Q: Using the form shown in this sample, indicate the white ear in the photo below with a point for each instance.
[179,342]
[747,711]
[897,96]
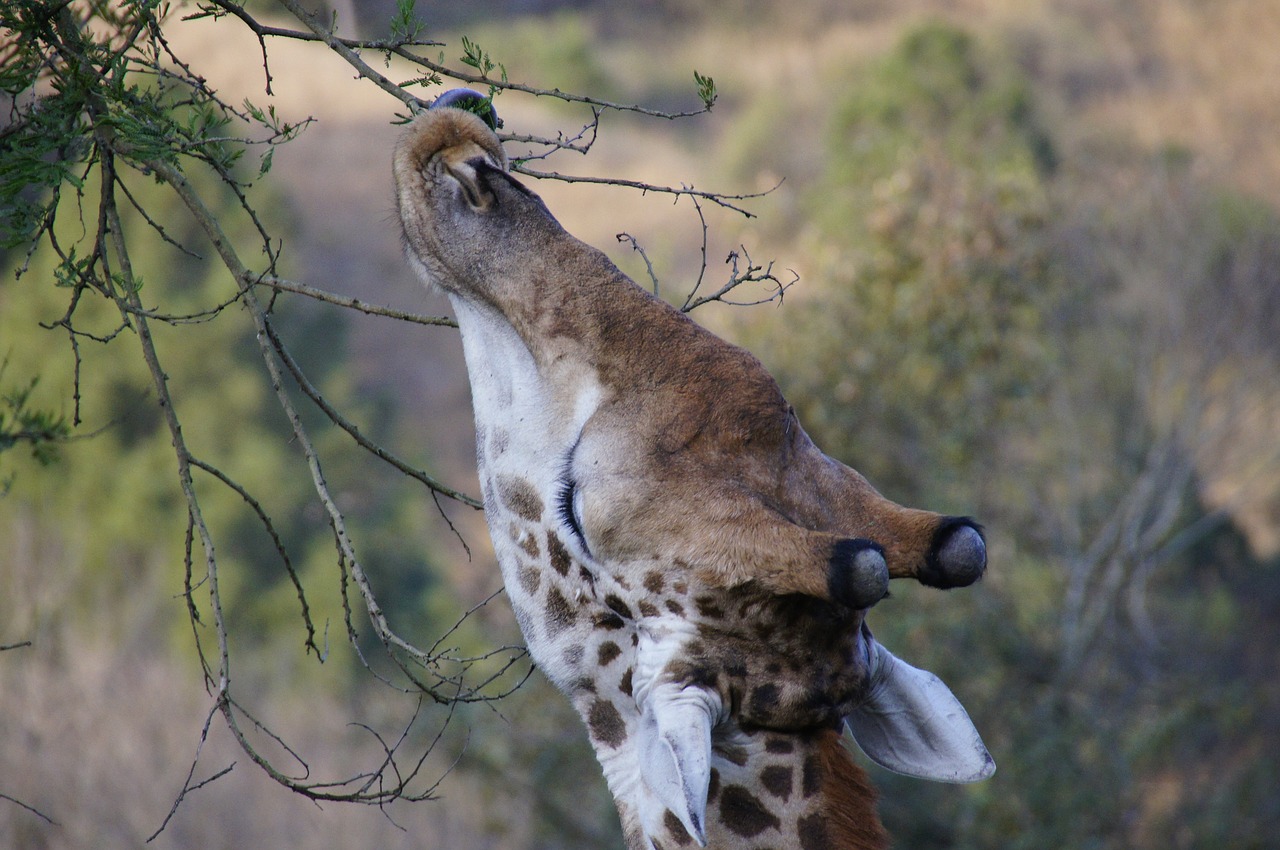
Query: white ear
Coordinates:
[911,723]
[675,756]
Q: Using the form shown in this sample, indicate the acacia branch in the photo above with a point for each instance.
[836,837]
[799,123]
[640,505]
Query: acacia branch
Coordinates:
[345,424]
[346,301]
[389,639]
[270,528]
[348,49]
[719,198]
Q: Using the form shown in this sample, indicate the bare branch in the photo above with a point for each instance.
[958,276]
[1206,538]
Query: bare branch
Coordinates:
[345,424]
[31,809]
[270,528]
[346,301]
[719,198]
[738,276]
[627,238]
[187,786]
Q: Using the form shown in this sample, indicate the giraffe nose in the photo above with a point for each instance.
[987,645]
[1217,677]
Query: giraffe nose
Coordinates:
[859,576]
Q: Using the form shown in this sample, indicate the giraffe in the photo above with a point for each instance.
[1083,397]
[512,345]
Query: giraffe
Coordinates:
[684,564]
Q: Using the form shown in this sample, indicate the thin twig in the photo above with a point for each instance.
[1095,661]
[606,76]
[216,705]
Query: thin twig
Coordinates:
[346,301]
[270,528]
[187,787]
[31,809]
[719,198]
[627,238]
[752,274]
[364,442]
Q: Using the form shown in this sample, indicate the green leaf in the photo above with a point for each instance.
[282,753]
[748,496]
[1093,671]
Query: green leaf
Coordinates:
[706,89]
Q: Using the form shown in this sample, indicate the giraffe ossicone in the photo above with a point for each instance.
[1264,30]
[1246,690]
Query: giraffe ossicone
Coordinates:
[685,565]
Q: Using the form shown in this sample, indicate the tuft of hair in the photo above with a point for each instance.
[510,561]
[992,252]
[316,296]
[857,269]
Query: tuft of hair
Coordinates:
[849,799]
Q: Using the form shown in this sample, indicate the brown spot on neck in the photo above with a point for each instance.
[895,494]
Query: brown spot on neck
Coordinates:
[559,555]
[520,497]
[559,613]
[606,724]
[742,813]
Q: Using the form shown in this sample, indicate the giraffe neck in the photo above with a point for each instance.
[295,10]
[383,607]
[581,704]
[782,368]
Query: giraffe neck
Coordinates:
[795,791]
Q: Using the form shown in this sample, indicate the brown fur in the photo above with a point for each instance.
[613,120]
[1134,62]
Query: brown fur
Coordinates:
[850,802]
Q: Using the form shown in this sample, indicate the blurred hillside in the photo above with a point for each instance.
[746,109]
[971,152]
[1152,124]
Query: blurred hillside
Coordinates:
[1039,258]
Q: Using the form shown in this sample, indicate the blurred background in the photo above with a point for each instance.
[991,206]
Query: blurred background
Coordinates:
[1038,249]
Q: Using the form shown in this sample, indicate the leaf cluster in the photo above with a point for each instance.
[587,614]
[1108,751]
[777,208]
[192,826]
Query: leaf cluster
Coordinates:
[22,423]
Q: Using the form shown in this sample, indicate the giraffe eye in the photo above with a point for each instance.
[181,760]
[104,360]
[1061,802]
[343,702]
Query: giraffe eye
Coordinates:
[569,505]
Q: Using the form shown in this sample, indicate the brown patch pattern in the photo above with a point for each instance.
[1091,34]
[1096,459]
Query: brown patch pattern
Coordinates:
[560,559]
[743,814]
[676,829]
[530,579]
[560,614]
[606,652]
[520,496]
[777,780]
[618,606]
[812,776]
[812,832]
[778,745]
[605,724]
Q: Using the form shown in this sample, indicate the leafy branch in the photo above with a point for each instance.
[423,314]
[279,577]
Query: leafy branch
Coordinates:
[100,105]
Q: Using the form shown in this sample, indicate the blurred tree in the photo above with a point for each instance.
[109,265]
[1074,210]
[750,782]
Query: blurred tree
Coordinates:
[1070,357]
[933,266]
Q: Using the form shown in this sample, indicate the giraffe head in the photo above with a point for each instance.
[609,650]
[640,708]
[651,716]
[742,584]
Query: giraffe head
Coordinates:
[685,564]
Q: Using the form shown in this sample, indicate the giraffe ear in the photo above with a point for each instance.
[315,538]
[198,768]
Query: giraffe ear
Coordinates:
[911,723]
[675,756]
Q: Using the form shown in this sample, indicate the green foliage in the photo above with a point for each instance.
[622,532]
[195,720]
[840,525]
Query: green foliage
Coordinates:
[97,110]
[405,24]
[934,272]
[476,57]
[706,89]
[20,423]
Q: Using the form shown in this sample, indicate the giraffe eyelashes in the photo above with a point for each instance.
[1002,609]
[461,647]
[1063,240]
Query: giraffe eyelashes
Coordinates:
[569,506]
